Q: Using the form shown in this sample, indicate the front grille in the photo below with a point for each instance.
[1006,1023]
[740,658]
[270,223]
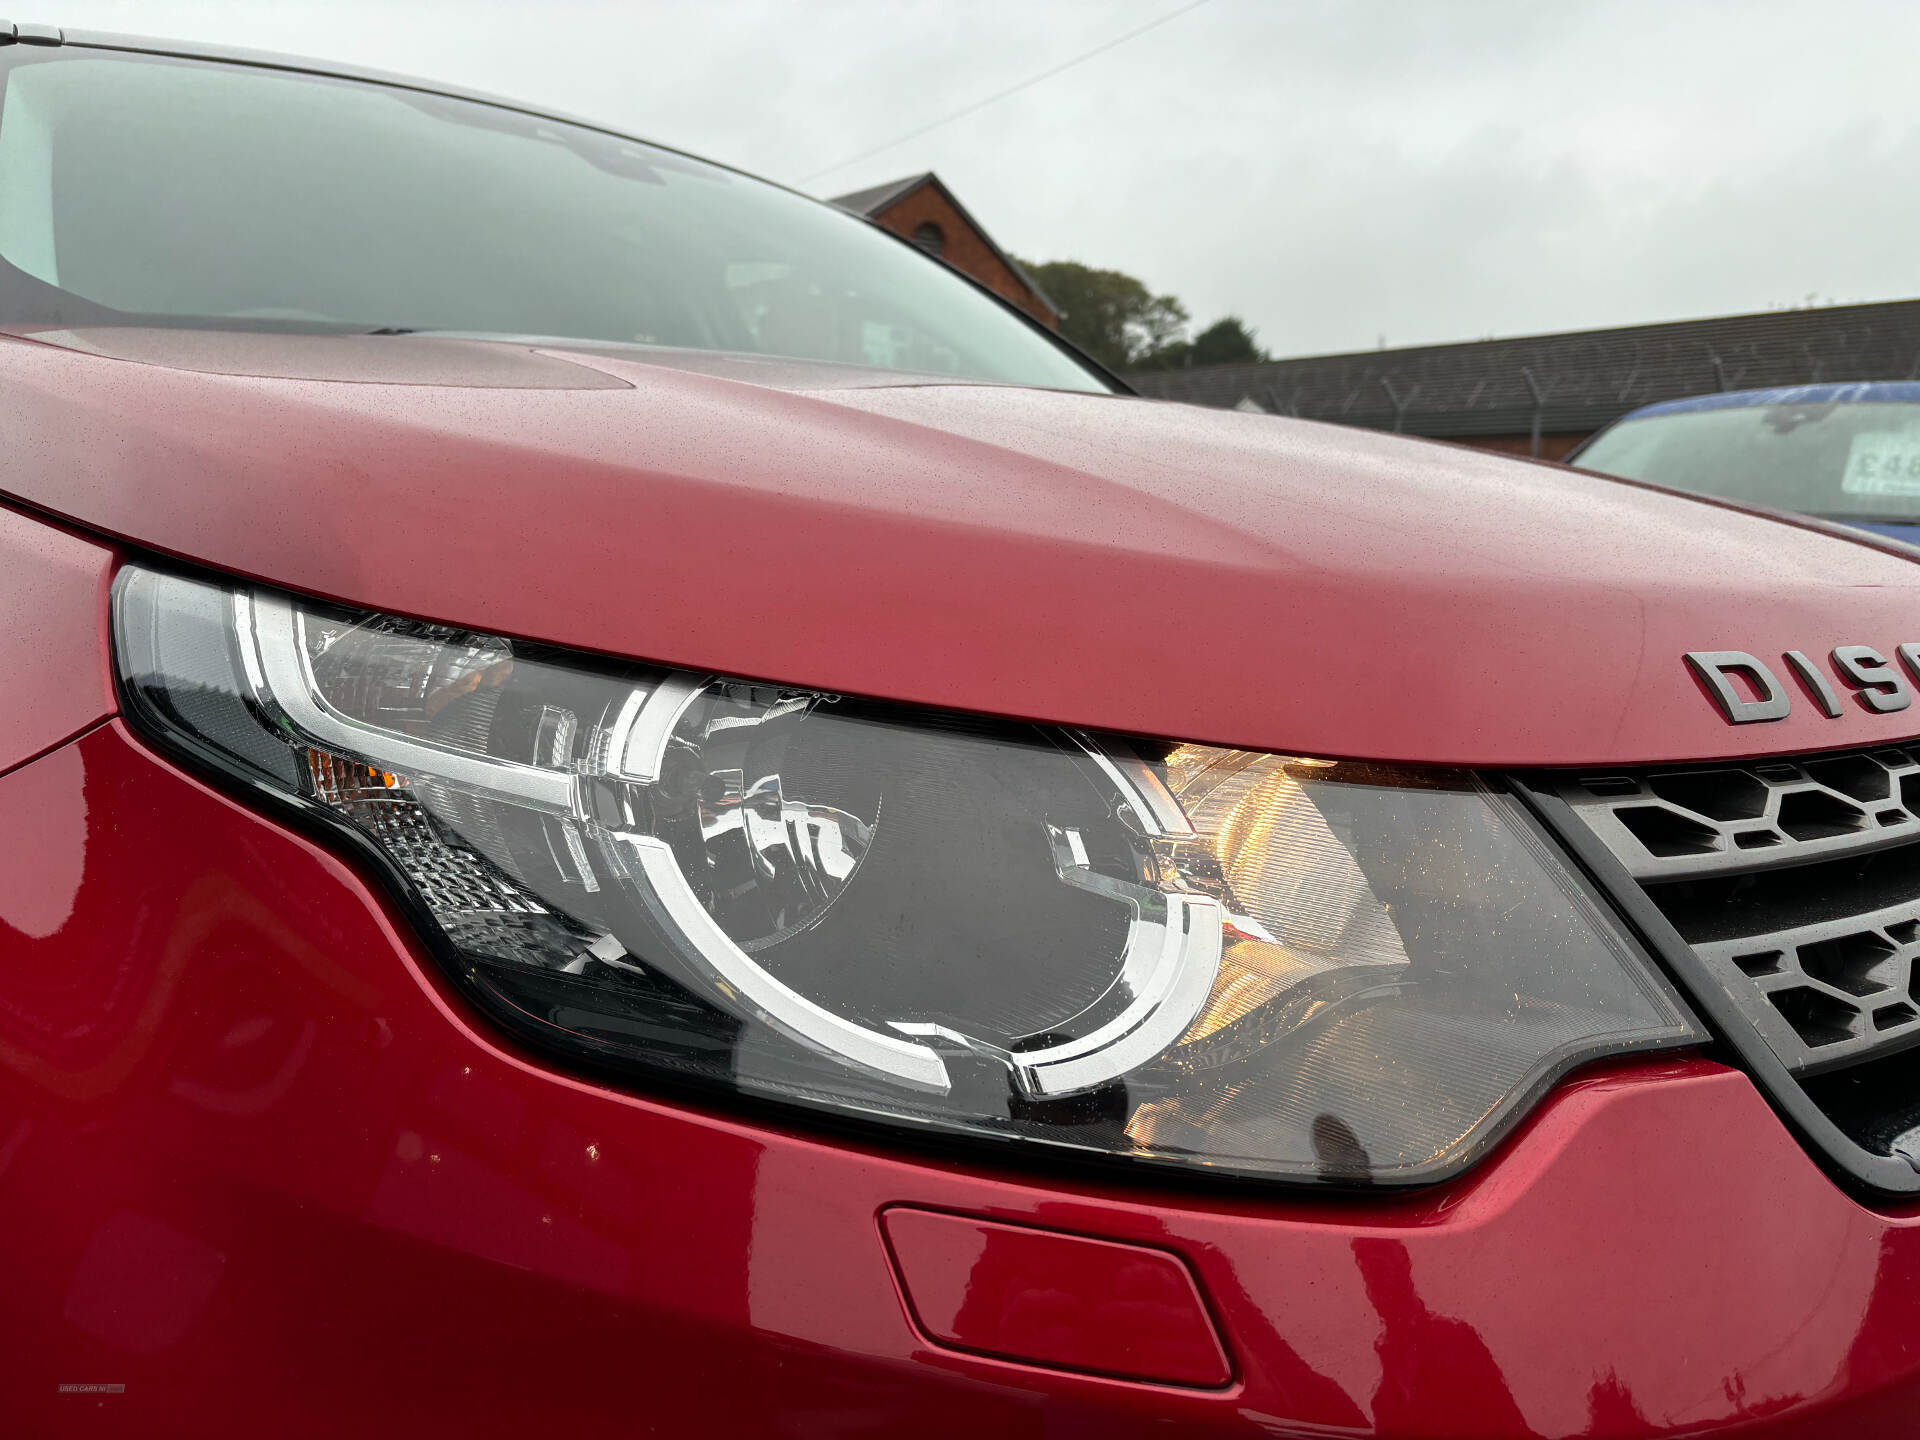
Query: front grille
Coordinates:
[1735,819]
[1785,894]
[1836,992]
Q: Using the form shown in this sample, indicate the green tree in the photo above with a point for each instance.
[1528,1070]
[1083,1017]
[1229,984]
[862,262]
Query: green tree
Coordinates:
[1117,320]
[1111,315]
[1227,341]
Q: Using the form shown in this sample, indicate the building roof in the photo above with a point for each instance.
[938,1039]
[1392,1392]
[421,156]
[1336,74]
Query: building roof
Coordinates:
[1576,381]
[875,199]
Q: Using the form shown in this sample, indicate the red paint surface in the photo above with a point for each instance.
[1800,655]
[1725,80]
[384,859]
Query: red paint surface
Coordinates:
[1066,1301]
[55,674]
[1101,561]
[259,1166]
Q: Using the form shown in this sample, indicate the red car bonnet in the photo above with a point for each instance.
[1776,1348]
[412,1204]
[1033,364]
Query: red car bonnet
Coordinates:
[1109,562]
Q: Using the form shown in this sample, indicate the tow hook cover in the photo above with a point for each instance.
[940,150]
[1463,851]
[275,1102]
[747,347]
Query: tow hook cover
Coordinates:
[1045,1297]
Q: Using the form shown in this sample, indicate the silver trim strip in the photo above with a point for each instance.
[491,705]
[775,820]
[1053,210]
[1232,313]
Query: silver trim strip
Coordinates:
[1159,813]
[676,907]
[1175,990]
[274,629]
[637,748]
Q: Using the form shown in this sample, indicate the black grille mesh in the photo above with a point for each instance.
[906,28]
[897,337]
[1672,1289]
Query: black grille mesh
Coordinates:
[1793,887]
[1835,992]
[1673,824]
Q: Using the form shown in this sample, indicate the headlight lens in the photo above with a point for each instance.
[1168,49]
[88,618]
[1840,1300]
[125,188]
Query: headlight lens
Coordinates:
[1240,961]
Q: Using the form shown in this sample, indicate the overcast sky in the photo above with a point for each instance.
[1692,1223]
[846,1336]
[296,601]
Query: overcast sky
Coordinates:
[1332,170]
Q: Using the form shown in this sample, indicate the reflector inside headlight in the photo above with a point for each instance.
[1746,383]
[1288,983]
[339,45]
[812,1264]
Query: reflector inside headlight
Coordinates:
[1178,953]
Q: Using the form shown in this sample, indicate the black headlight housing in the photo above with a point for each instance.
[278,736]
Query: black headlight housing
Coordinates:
[1223,961]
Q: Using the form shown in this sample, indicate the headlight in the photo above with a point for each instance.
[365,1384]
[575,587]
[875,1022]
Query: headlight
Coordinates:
[1211,957]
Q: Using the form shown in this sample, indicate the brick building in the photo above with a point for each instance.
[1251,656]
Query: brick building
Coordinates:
[1543,394]
[921,208]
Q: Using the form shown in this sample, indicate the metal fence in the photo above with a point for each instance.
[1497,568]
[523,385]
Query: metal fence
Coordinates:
[1556,384]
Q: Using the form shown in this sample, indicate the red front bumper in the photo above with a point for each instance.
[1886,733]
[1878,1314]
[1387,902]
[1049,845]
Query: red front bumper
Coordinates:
[260,1168]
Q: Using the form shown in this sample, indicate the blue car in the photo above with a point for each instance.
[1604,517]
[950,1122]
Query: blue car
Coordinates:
[1849,453]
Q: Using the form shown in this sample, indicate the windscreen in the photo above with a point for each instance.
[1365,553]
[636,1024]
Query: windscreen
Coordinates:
[1848,461]
[149,190]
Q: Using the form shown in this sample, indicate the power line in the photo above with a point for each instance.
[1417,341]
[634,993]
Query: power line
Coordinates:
[993,99]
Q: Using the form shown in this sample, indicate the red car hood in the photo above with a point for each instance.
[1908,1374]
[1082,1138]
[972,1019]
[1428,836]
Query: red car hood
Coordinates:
[1110,562]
